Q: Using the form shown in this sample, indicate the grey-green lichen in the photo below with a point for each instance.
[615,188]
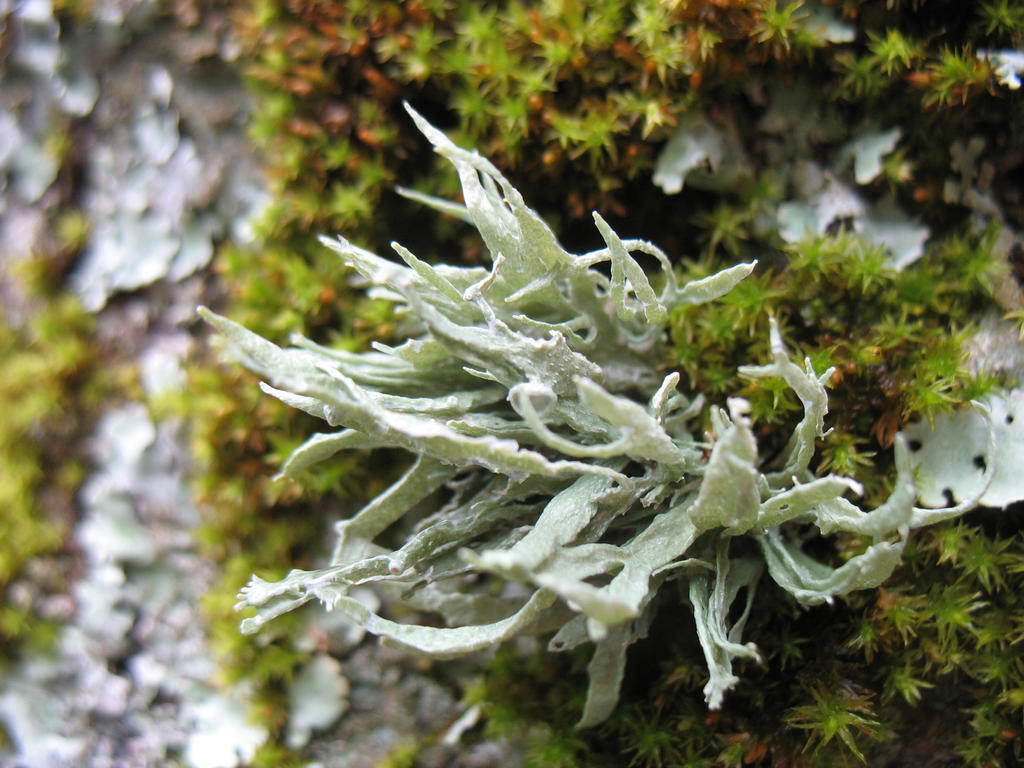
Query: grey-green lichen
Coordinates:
[553,452]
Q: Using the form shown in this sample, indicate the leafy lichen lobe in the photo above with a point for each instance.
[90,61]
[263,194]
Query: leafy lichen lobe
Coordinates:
[532,396]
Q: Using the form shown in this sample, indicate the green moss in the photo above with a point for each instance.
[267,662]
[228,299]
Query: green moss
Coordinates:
[894,338]
[402,756]
[51,384]
[924,669]
[574,101]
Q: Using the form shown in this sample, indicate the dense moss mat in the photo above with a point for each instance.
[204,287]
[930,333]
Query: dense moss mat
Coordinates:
[574,101]
[923,672]
[584,94]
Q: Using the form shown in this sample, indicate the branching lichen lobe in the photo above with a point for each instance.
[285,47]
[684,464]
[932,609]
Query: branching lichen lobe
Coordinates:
[536,385]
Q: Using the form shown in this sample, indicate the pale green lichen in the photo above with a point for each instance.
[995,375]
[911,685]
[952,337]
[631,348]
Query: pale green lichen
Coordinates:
[551,451]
